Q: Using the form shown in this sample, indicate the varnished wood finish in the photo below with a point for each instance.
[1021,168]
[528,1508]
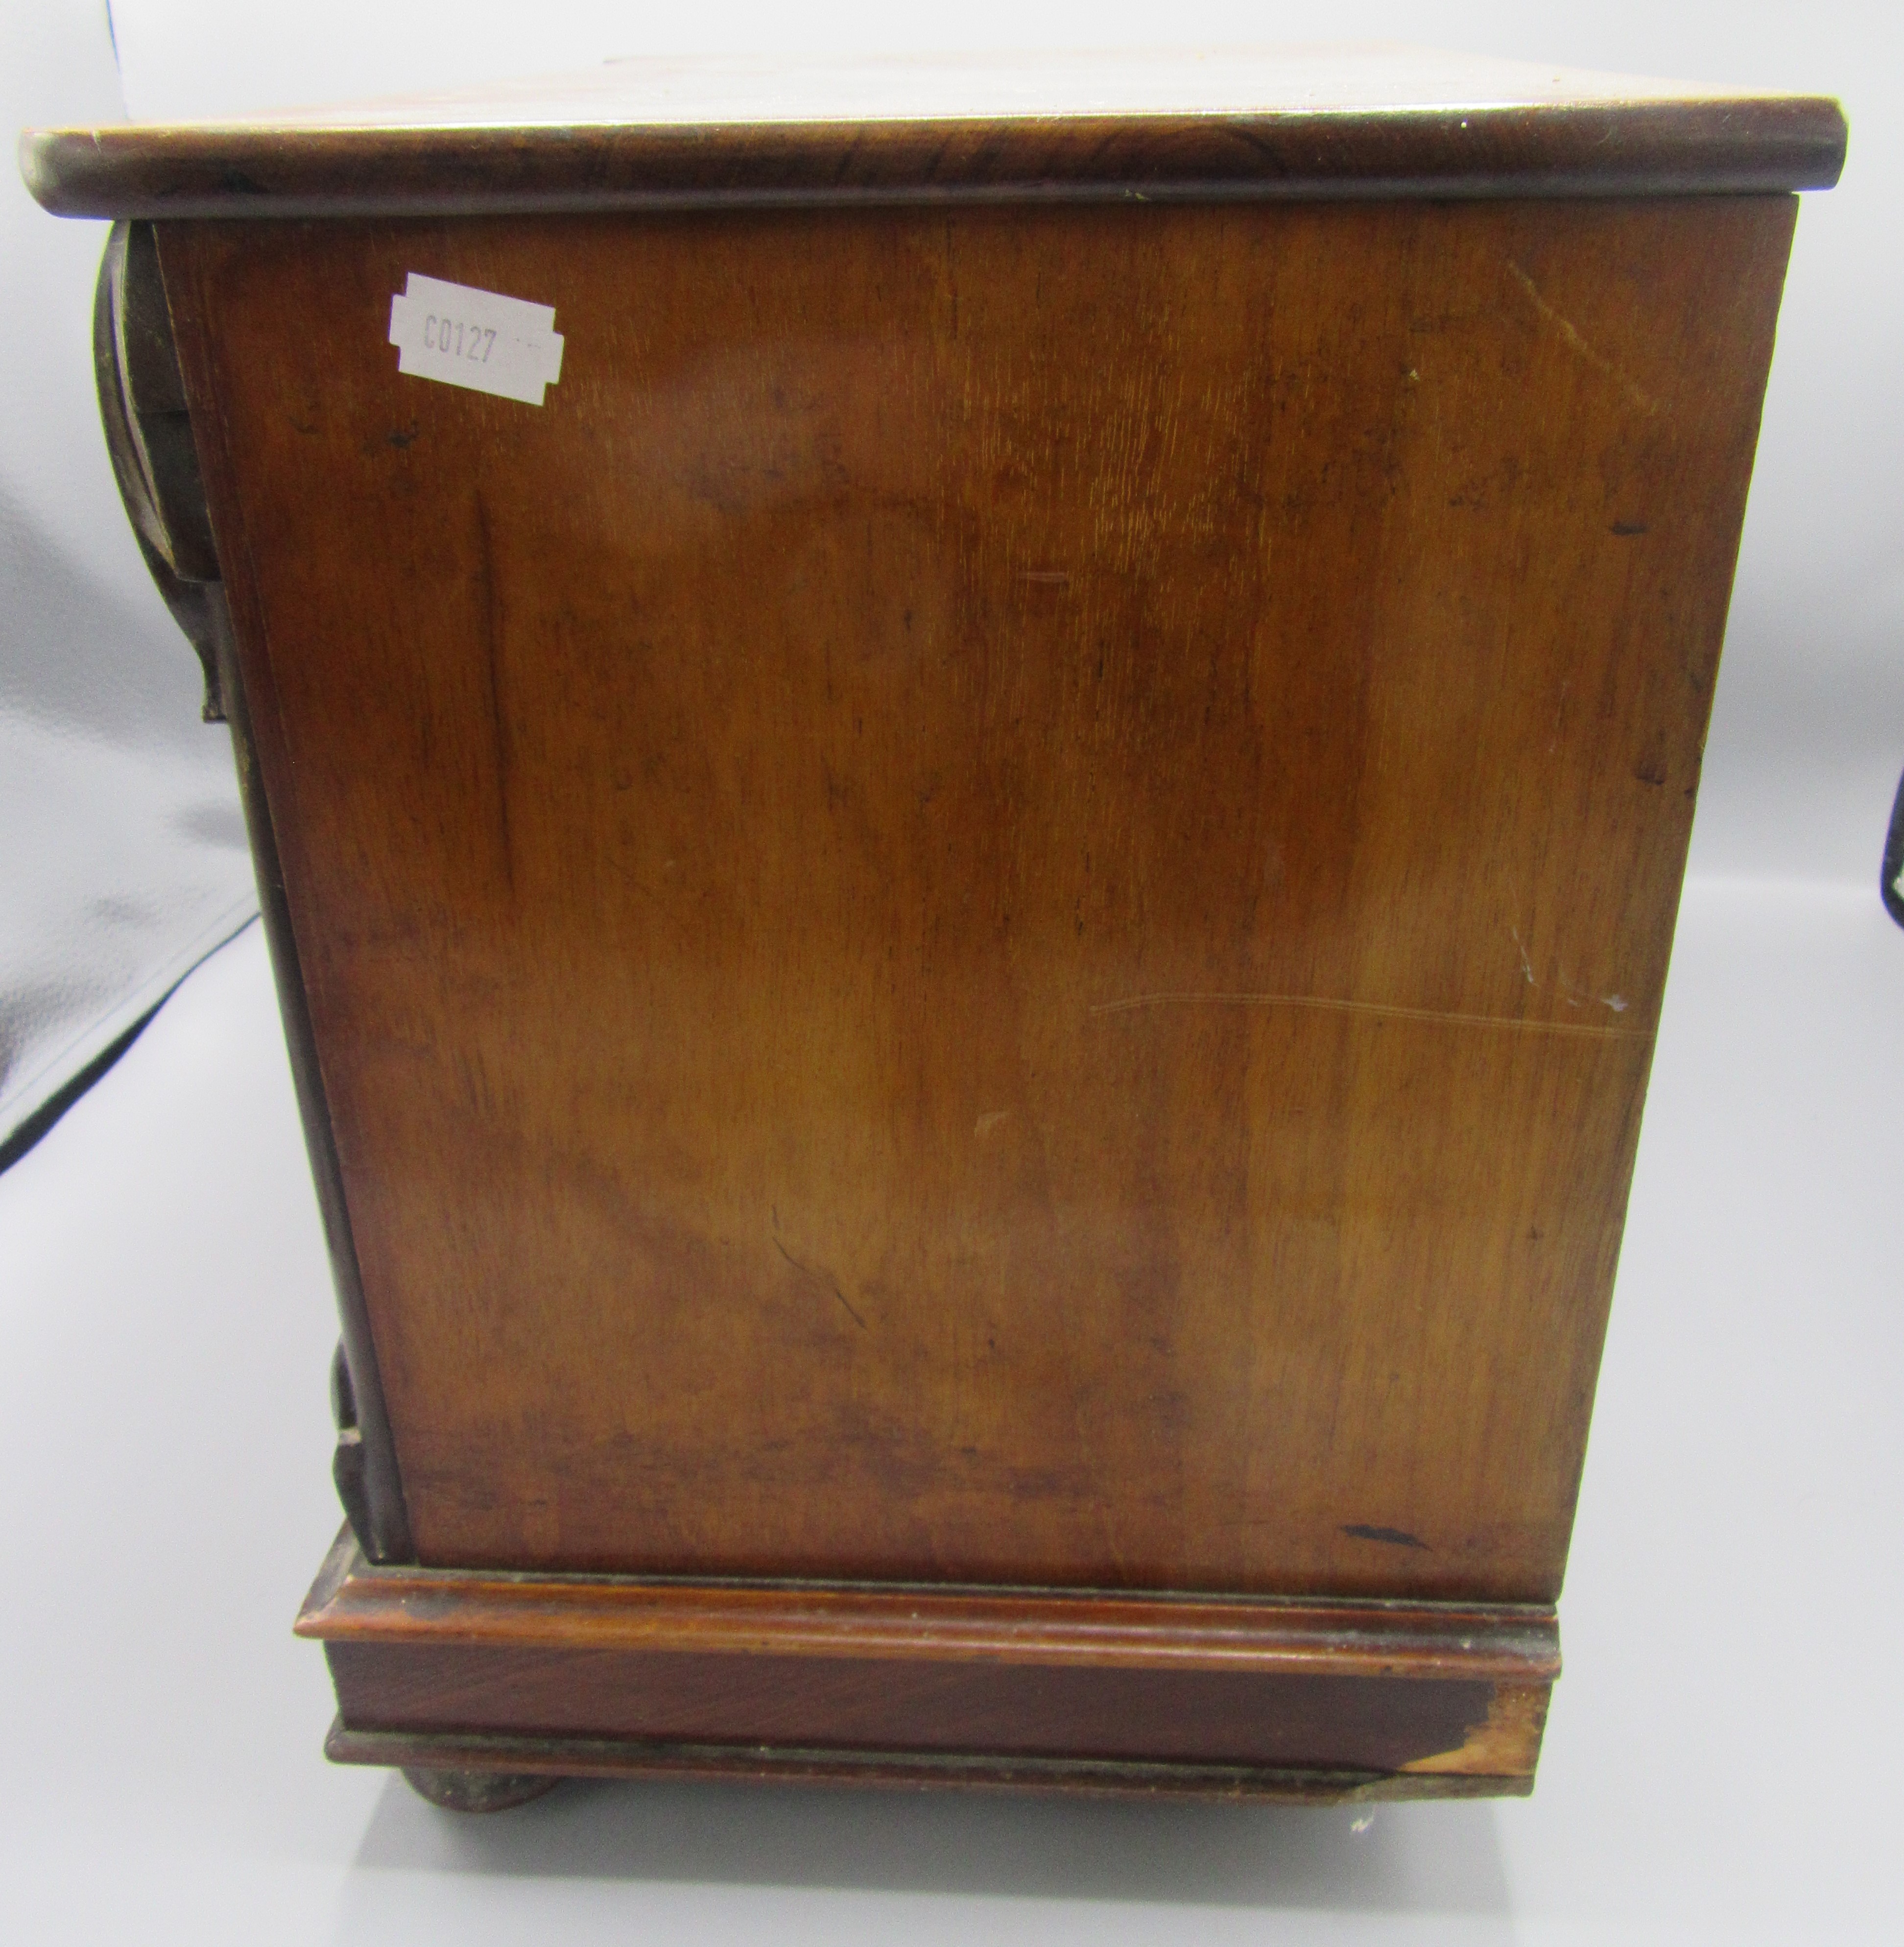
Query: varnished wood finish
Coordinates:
[354,1602]
[1375,1690]
[150,442]
[993,906]
[382,1522]
[904,1770]
[1375,121]
[974,937]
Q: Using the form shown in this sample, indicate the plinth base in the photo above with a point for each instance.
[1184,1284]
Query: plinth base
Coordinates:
[445,1671]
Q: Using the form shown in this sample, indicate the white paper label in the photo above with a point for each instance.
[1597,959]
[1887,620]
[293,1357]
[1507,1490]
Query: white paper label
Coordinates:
[476,338]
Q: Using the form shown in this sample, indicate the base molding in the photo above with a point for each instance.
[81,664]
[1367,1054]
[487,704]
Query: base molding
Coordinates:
[556,1758]
[1244,1697]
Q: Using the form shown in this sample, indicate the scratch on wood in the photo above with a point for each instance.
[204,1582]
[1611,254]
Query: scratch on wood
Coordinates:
[951,270]
[1575,343]
[1396,1537]
[819,1278]
[1379,1009]
[1527,965]
[491,647]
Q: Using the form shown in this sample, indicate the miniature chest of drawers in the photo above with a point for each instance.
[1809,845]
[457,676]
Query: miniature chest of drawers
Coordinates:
[970,783]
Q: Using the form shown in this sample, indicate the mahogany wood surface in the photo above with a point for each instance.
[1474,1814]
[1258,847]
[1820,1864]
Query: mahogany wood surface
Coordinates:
[1375,120]
[1010,1711]
[354,1602]
[1434,1691]
[508,1756]
[992,907]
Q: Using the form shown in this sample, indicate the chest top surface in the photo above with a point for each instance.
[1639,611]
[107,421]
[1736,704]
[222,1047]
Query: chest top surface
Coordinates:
[1347,121]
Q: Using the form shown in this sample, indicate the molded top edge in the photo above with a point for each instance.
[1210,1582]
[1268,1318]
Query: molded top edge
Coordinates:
[1337,121]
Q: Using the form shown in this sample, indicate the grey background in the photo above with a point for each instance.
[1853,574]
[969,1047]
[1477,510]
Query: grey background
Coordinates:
[123,858]
[1720,1761]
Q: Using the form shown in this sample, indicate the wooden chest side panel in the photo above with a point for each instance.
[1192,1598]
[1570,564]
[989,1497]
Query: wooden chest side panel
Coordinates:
[992,904]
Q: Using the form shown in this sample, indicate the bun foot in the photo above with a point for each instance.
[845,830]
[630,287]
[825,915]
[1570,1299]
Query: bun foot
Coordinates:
[478,1791]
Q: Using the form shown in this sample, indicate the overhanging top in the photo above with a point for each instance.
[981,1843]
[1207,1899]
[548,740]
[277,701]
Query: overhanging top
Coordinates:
[1373,120]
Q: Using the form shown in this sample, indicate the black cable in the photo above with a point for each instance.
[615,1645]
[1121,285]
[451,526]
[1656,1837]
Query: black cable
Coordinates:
[1889,878]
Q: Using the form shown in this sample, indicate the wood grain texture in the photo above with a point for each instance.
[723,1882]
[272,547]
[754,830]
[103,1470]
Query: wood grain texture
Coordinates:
[903,1771]
[354,1602]
[992,907]
[1368,1688]
[1008,1710]
[1367,121]
[385,1522]
[136,369]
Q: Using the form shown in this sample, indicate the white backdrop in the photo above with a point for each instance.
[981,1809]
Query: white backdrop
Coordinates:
[1719,1764]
